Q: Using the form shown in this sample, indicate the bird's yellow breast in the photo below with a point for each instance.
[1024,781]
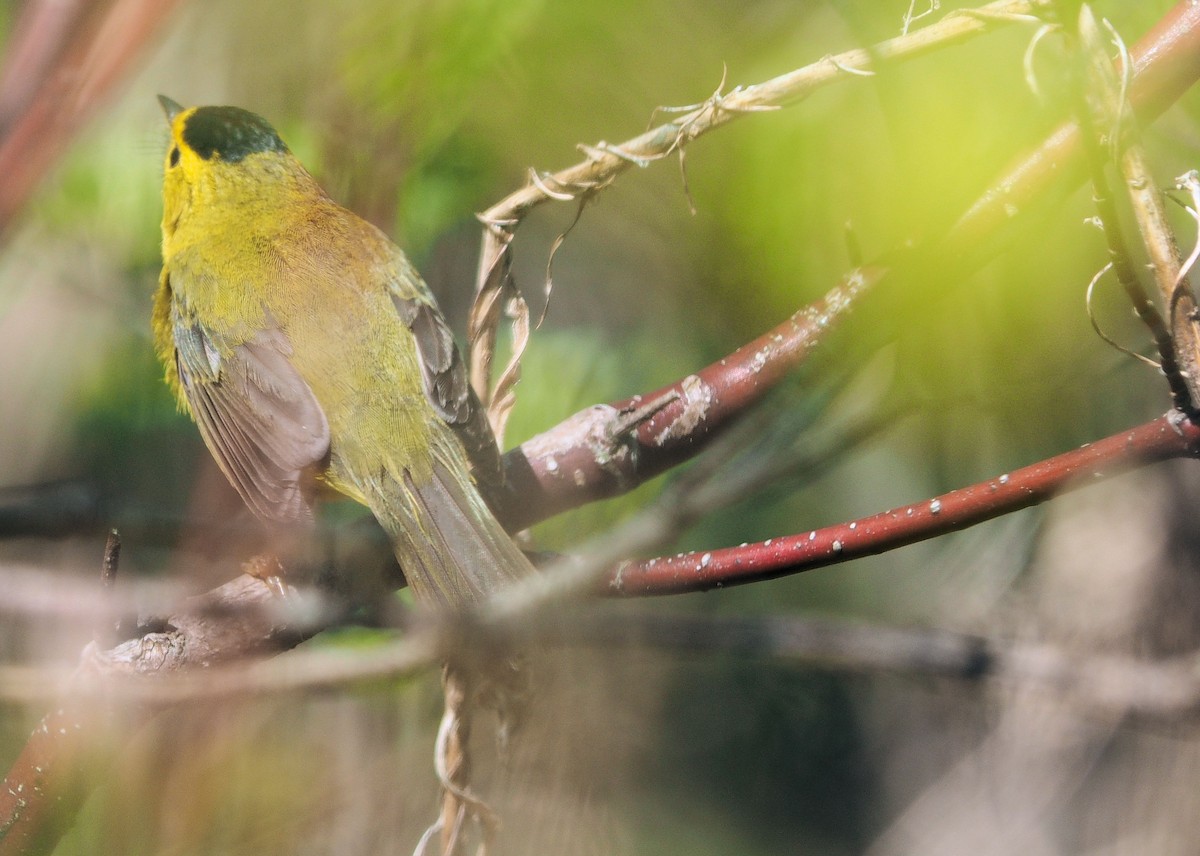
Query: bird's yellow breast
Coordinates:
[242,254]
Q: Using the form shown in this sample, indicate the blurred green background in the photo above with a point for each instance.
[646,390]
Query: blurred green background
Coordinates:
[417,115]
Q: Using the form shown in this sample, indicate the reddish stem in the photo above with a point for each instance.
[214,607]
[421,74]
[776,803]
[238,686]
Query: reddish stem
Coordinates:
[609,449]
[1164,438]
[33,787]
[103,39]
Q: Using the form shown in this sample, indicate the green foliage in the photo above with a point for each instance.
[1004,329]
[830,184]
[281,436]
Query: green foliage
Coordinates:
[441,190]
[425,66]
[108,190]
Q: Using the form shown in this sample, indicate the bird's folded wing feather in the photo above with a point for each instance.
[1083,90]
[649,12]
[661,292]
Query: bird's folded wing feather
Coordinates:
[444,378]
[257,416]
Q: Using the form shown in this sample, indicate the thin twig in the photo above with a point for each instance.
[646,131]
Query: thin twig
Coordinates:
[607,160]
[1165,62]
[452,761]
[1181,364]
[1091,288]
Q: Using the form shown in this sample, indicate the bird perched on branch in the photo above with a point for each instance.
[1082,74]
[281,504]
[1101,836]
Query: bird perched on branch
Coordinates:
[311,354]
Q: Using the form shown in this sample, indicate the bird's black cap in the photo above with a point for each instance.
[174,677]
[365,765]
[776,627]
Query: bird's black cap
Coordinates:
[229,134]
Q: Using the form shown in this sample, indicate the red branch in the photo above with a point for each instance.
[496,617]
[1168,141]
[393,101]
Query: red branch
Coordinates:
[1164,438]
[609,449]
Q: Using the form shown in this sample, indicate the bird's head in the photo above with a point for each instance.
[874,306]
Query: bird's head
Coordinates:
[220,156]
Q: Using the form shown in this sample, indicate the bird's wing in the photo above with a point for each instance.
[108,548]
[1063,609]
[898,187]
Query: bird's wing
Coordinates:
[444,378]
[257,416]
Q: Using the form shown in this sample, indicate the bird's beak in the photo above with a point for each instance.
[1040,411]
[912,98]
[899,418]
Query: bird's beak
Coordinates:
[171,108]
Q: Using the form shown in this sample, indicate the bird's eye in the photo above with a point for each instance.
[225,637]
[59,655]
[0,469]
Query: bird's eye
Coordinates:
[174,155]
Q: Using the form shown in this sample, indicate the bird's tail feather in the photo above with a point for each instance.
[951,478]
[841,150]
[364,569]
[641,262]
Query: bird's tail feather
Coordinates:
[453,551]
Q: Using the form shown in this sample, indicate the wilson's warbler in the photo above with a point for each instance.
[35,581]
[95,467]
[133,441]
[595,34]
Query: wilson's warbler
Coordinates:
[309,352]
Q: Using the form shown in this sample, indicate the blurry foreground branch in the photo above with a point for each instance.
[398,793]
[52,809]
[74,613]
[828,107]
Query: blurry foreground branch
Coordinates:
[62,62]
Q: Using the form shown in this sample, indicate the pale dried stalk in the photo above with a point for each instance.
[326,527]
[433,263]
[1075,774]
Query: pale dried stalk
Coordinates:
[604,161]
[452,761]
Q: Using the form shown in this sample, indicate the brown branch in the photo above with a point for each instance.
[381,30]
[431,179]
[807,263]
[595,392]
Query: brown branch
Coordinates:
[593,454]
[1164,438]
[605,161]
[217,628]
[675,423]
[831,644]
[1166,63]
[32,794]
[453,761]
[41,30]
[1102,115]
[460,807]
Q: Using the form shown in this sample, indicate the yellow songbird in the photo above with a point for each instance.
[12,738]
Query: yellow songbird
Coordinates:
[310,352]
